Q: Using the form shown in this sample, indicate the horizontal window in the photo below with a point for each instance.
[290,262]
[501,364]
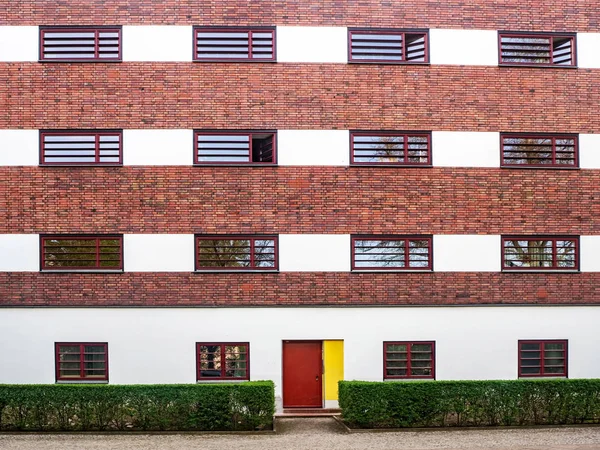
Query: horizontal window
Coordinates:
[65,252]
[78,148]
[537,49]
[408,360]
[236,252]
[81,361]
[234,148]
[542,358]
[387,46]
[540,253]
[402,149]
[80,44]
[391,253]
[223,361]
[234,44]
[520,150]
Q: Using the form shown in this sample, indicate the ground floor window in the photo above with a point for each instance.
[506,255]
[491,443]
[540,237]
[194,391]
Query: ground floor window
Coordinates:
[81,361]
[408,360]
[223,361]
[543,358]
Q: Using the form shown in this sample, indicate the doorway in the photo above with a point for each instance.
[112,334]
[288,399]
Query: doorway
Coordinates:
[302,374]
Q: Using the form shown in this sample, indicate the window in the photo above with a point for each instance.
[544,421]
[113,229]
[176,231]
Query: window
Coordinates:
[222,361]
[540,253]
[257,147]
[534,150]
[81,361]
[537,49]
[408,360]
[80,148]
[543,358]
[98,44]
[234,44]
[387,46]
[386,148]
[94,253]
[391,253]
[223,252]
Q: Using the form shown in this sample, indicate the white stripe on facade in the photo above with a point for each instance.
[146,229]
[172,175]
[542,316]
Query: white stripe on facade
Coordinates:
[19,147]
[313,147]
[312,44]
[589,151]
[19,43]
[466,253]
[158,147]
[19,252]
[590,249]
[588,55]
[157,43]
[465,149]
[314,252]
[463,47]
[158,252]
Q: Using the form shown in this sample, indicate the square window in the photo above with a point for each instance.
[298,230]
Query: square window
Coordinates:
[256,44]
[81,148]
[408,360]
[81,361]
[253,147]
[391,253]
[540,253]
[80,44]
[543,358]
[390,148]
[222,361]
[82,253]
[537,49]
[368,45]
[539,150]
[225,252]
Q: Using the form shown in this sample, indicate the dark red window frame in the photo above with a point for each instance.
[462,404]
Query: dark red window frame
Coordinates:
[523,356]
[405,135]
[97,134]
[252,253]
[250,30]
[406,253]
[552,147]
[251,150]
[503,61]
[82,370]
[97,267]
[506,266]
[223,360]
[402,33]
[409,360]
[82,29]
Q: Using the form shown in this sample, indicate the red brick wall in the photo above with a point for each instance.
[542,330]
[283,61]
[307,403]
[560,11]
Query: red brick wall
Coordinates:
[540,15]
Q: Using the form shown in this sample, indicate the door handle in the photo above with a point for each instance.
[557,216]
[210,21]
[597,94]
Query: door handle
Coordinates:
[317,378]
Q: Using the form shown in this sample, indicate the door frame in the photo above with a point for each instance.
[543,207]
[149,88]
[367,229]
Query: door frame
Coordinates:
[320,341]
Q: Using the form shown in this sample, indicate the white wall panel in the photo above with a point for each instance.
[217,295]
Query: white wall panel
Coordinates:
[158,252]
[589,260]
[19,252]
[588,55]
[19,43]
[314,252]
[465,149]
[313,147]
[466,253]
[463,47]
[589,151]
[312,44]
[157,43]
[19,147]
[158,147]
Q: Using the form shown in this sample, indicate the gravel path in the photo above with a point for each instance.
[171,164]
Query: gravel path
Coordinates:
[317,434]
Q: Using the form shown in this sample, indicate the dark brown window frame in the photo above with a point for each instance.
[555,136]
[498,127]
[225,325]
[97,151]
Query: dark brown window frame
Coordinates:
[223,376]
[248,133]
[407,239]
[85,28]
[96,133]
[390,31]
[552,136]
[405,134]
[408,344]
[554,267]
[233,237]
[97,237]
[82,377]
[543,367]
[551,36]
[225,29]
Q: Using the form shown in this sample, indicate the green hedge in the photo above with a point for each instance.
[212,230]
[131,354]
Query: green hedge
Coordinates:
[80,407]
[469,403]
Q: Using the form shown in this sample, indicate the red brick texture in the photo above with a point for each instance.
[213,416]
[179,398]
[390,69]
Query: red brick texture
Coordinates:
[539,15]
[298,96]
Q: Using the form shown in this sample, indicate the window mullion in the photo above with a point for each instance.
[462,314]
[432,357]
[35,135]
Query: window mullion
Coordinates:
[223,360]
[81,360]
[250,44]
[252,255]
[406,255]
[409,360]
[403,46]
[97,253]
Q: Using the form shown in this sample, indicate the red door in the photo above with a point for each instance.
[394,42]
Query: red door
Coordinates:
[302,380]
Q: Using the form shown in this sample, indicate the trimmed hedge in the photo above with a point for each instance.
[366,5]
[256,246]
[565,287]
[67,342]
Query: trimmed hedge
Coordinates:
[469,403]
[81,407]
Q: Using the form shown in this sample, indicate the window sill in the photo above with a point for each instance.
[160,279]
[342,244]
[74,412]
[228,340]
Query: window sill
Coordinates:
[548,167]
[99,271]
[80,60]
[538,66]
[220,381]
[81,381]
[82,165]
[235,271]
[385,380]
[392,271]
[235,165]
[392,63]
[394,166]
[556,271]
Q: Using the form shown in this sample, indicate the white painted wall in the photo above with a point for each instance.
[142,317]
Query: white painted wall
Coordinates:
[19,147]
[465,149]
[463,47]
[588,56]
[157,43]
[313,147]
[19,252]
[466,253]
[158,252]
[312,44]
[589,151]
[158,147]
[314,252]
[19,43]
[589,260]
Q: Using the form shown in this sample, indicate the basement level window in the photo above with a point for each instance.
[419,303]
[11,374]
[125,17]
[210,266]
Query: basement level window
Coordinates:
[80,44]
[533,253]
[537,49]
[536,150]
[234,44]
[387,46]
[225,253]
[391,253]
[82,253]
[222,361]
[81,361]
[251,147]
[390,148]
[543,358]
[405,359]
[81,148]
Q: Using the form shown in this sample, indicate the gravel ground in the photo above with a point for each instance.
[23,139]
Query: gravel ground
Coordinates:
[317,434]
